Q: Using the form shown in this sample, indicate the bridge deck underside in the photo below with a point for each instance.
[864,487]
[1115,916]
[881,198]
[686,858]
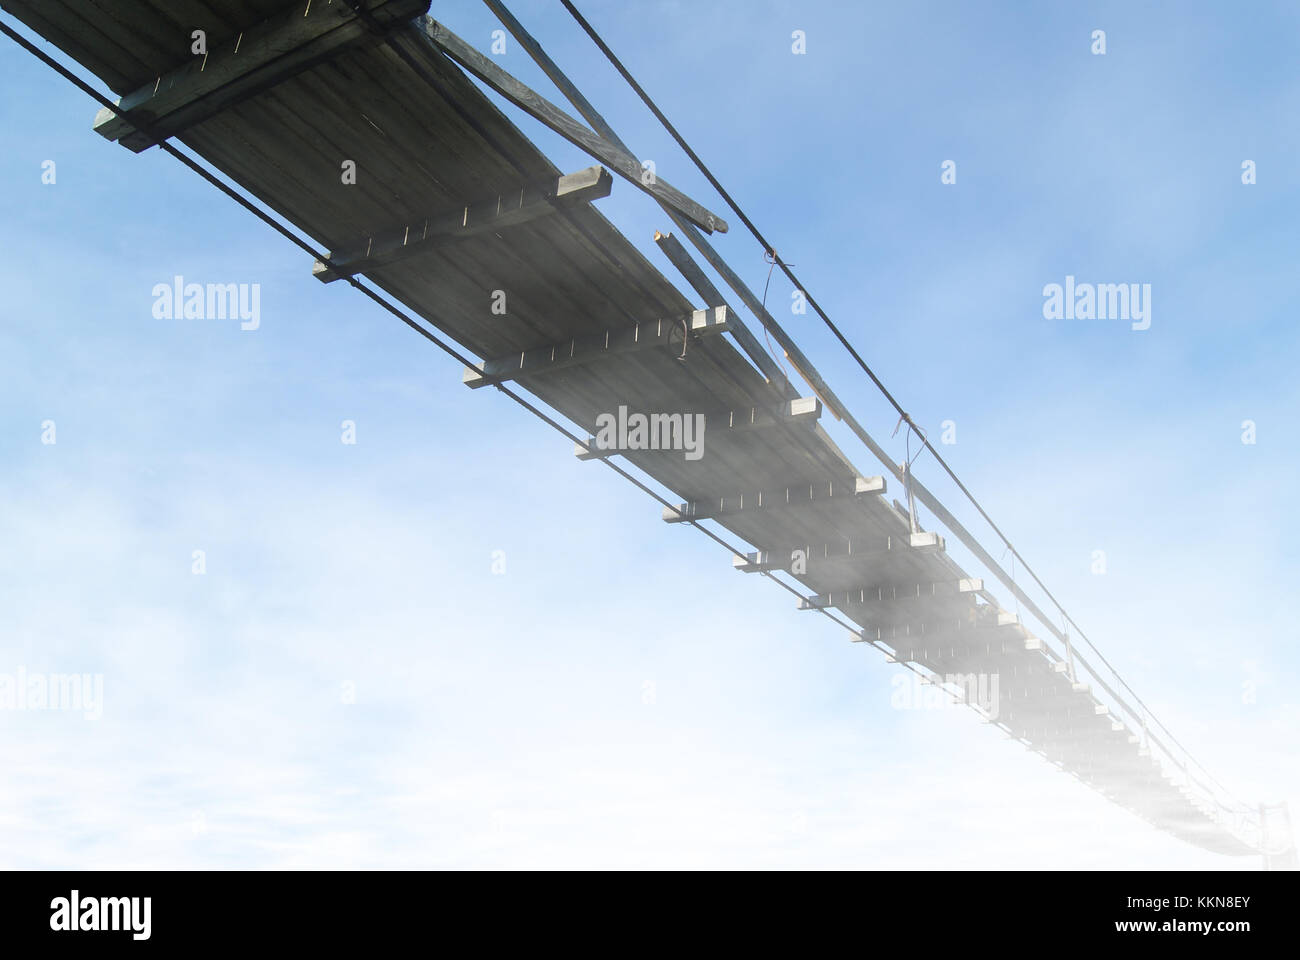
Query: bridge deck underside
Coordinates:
[425,141]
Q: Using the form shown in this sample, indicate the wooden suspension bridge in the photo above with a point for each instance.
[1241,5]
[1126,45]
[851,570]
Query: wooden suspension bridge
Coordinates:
[456,201]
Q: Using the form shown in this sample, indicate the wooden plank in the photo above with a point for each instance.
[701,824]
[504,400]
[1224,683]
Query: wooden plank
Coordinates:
[979,642]
[1062,709]
[255,60]
[822,492]
[77,35]
[486,215]
[889,599]
[798,410]
[537,106]
[641,336]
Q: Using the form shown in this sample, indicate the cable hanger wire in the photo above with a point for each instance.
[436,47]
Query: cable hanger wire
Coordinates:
[769,257]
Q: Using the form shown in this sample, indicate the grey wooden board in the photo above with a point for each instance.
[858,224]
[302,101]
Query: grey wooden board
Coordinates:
[232,69]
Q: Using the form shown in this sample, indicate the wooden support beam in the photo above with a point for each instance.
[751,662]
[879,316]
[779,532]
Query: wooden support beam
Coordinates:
[1010,699]
[666,332]
[903,599]
[1079,709]
[485,215]
[532,103]
[798,410]
[1034,717]
[1018,691]
[1007,656]
[959,644]
[801,410]
[844,554]
[255,60]
[964,626]
[926,540]
[1045,732]
[818,493]
[1102,751]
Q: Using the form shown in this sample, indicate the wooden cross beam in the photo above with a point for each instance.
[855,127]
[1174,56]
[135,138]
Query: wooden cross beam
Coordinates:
[837,554]
[664,332]
[1060,709]
[486,215]
[801,410]
[1077,705]
[255,60]
[896,602]
[990,656]
[1013,656]
[970,625]
[1012,694]
[1062,732]
[813,493]
[532,103]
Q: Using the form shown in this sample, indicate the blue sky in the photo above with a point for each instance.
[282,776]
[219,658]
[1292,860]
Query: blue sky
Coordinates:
[619,696]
